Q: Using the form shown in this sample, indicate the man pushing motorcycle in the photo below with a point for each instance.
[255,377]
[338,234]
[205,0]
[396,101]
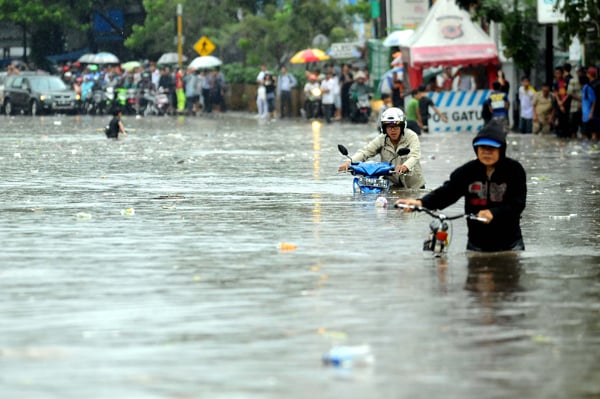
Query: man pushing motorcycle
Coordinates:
[408,171]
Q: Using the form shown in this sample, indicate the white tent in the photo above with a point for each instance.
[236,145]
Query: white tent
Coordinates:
[448,37]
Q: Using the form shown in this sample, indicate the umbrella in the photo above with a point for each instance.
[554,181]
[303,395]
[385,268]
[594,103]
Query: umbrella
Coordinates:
[205,62]
[105,58]
[87,58]
[131,65]
[398,38]
[170,58]
[309,55]
[387,79]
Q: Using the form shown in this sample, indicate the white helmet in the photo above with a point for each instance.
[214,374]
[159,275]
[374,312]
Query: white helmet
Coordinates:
[393,116]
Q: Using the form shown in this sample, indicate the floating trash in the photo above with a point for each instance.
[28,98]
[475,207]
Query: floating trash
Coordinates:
[564,217]
[83,216]
[128,212]
[381,202]
[286,246]
[349,356]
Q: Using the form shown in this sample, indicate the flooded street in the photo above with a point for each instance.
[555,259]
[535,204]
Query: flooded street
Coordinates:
[152,267]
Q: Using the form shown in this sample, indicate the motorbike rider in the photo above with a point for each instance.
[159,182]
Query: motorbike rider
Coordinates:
[312,95]
[359,90]
[494,187]
[395,135]
[146,89]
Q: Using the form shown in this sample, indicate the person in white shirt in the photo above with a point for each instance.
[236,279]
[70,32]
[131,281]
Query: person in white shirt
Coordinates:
[526,96]
[329,88]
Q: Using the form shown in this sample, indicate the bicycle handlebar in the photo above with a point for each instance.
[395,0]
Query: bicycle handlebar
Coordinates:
[440,216]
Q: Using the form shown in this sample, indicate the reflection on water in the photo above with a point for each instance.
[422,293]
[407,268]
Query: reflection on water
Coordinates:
[151,268]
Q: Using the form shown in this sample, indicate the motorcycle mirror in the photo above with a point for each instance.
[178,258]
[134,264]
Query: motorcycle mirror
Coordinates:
[343,150]
[403,151]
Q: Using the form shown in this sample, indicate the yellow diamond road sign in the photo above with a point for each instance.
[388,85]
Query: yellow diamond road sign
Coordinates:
[204,46]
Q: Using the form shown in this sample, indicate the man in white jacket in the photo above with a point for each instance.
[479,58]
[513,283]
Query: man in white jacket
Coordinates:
[408,171]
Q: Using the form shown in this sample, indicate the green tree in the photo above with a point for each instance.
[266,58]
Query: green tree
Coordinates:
[44,21]
[238,30]
[582,20]
[520,30]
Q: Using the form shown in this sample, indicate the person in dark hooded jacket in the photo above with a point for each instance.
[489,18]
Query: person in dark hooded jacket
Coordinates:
[494,187]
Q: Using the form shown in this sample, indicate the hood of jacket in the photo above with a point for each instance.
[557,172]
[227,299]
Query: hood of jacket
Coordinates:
[493,130]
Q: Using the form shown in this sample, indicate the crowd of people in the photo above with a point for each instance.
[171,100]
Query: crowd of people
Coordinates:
[186,90]
[332,93]
[566,107]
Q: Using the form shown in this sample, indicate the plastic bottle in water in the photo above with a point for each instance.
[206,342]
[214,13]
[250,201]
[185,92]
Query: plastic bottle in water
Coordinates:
[349,356]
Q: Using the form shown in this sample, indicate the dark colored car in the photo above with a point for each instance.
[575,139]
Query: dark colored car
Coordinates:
[37,94]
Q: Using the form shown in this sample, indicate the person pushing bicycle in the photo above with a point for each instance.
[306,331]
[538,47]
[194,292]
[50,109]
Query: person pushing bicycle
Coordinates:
[494,187]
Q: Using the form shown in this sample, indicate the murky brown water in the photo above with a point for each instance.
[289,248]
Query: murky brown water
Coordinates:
[151,268]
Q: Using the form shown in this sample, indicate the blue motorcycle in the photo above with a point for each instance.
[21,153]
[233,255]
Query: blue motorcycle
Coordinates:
[370,177]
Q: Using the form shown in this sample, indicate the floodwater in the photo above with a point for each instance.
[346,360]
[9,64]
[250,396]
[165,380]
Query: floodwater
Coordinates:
[151,267]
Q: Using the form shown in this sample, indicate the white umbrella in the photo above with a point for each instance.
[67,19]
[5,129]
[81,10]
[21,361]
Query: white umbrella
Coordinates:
[170,58]
[87,58]
[205,62]
[398,38]
[105,58]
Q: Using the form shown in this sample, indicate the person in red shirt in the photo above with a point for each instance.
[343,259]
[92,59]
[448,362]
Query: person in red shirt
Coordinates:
[561,112]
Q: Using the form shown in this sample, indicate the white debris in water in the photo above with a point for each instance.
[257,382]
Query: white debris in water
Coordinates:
[57,123]
[128,212]
[381,202]
[564,217]
[17,155]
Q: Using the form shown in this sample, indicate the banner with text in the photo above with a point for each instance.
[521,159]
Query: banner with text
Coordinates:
[462,108]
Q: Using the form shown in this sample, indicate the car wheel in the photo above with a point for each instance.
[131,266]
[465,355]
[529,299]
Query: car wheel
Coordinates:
[34,108]
[8,107]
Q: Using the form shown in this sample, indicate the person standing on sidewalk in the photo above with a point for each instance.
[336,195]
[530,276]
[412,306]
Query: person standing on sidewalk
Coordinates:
[285,84]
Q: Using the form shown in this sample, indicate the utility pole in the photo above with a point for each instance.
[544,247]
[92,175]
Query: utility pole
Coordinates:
[179,39]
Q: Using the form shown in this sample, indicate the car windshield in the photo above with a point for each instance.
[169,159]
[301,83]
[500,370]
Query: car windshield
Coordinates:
[49,83]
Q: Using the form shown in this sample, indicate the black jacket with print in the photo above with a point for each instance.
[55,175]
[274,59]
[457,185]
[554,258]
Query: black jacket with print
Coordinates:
[504,194]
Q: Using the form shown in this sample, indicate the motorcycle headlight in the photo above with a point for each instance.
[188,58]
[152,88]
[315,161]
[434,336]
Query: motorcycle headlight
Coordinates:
[77,97]
[44,97]
[315,91]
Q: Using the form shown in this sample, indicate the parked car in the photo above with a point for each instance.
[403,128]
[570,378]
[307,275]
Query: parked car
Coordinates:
[37,94]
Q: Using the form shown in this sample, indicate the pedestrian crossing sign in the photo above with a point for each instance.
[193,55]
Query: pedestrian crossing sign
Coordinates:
[204,46]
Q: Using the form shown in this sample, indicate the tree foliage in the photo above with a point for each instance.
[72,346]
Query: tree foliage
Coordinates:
[582,20]
[45,21]
[520,30]
[240,31]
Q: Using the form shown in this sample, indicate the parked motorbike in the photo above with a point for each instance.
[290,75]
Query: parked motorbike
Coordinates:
[370,177]
[440,228]
[154,102]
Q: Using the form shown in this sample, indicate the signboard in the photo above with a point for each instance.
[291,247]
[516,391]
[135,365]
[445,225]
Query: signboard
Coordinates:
[204,46]
[546,13]
[462,108]
[406,12]
[344,50]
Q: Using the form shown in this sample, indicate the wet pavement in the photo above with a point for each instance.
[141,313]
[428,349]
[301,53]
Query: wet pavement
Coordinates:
[153,267]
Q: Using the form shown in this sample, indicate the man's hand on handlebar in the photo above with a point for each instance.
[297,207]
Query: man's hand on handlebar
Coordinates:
[400,169]
[485,214]
[344,167]
[409,201]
